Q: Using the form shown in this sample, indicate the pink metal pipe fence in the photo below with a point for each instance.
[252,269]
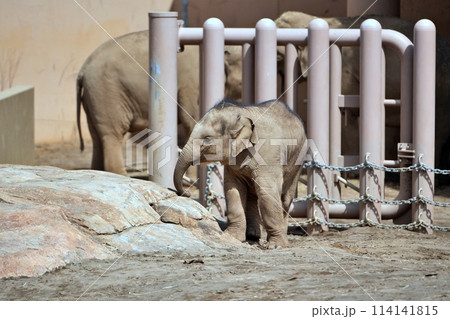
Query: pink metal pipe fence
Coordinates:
[424,114]
[370,141]
[265,61]
[318,117]
[325,101]
[211,81]
[162,94]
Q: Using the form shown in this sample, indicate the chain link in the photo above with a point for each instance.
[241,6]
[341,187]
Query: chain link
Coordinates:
[211,196]
[411,226]
[367,164]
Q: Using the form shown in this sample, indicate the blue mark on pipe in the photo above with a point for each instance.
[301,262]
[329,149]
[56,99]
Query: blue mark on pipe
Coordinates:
[154,69]
[155,72]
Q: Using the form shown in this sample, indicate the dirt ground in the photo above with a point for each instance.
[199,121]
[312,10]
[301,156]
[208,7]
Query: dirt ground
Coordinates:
[362,263]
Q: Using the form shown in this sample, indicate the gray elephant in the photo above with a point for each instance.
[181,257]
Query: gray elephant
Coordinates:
[262,149]
[113,90]
[350,81]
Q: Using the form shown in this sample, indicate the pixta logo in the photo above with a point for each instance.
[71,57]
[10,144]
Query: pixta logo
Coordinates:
[143,148]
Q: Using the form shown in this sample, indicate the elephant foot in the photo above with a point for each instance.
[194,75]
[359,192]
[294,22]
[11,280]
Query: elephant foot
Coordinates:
[236,232]
[253,233]
[277,242]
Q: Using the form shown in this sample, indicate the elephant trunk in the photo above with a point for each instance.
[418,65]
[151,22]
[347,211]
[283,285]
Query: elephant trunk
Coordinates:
[185,160]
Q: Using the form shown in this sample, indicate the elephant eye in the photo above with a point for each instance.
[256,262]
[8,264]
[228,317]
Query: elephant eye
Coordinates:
[207,141]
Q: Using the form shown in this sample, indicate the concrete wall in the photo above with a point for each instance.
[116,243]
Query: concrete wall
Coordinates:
[44,44]
[436,10]
[17,125]
[245,13]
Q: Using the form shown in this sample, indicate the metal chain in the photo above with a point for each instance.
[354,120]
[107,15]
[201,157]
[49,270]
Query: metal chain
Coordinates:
[211,196]
[367,164]
[411,226]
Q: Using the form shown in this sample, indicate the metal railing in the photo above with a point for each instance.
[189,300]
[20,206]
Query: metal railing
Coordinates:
[259,45]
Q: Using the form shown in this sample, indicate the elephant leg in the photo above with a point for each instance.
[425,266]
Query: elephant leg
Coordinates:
[113,157]
[235,196]
[253,218]
[97,154]
[271,208]
[289,193]
[97,148]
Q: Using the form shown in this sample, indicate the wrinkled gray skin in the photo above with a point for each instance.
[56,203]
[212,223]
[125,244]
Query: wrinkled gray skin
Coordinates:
[252,189]
[113,90]
[350,81]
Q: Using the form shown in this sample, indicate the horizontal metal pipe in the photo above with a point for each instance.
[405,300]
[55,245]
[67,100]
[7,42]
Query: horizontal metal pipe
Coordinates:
[190,35]
[236,36]
[351,211]
[391,163]
[342,37]
[396,40]
[392,102]
[294,36]
[343,211]
[352,101]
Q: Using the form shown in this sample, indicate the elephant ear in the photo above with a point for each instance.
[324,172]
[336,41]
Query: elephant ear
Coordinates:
[303,58]
[244,137]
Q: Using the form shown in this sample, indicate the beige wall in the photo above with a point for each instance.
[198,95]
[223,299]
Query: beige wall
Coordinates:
[17,125]
[44,43]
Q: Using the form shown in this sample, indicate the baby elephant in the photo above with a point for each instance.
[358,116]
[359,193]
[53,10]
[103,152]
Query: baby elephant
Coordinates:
[261,147]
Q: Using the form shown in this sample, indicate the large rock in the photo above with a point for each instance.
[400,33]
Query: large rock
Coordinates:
[50,217]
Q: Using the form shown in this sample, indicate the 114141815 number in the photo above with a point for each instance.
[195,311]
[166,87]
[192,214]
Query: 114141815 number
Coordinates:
[411,310]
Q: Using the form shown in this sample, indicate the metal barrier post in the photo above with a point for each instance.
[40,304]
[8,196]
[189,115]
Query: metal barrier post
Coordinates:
[248,74]
[163,42]
[265,60]
[335,116]
[424,115]
[212,91]
[318,117]
[291,69]
[370,117]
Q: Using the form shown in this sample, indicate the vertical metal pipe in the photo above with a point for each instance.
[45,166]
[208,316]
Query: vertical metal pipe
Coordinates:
[424,114]
[318,115]
[406,95]
[318,86]
[291,69]
[163,46]
[212,91]
[248,74]
[370,115]
[383,118]
[335,115]
[265,60]
[406,124]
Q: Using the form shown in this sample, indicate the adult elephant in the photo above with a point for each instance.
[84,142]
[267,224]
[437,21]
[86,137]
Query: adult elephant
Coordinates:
[260,174]
[113,89]
[350,80]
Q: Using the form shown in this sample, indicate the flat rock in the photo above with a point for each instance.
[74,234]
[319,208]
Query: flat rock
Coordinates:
[156,238]
[50,217]
[37,238]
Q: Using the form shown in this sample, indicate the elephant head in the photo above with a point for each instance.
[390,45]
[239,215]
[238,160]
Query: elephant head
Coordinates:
[300,20]
[293,19]
[220,136]
[233,72]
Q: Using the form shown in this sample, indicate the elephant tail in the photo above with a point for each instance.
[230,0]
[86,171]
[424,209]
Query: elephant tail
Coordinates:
[79,97]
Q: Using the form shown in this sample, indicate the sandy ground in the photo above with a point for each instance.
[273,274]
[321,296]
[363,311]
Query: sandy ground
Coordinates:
[360,263]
